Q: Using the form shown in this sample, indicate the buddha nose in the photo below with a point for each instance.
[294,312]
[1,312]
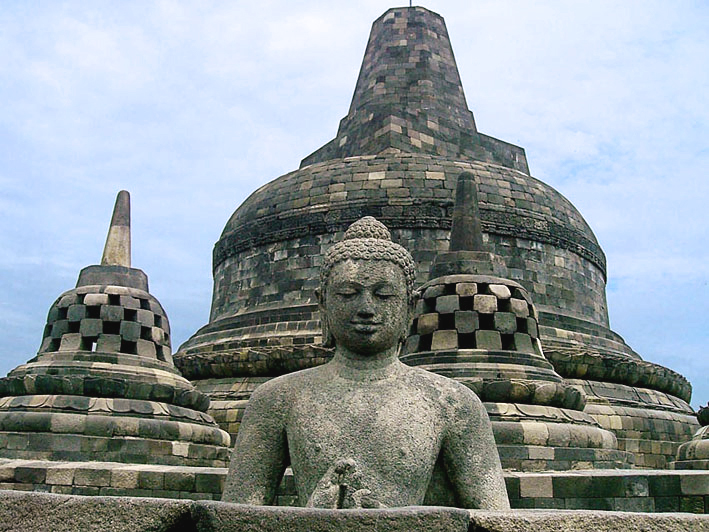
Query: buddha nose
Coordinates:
[366,307]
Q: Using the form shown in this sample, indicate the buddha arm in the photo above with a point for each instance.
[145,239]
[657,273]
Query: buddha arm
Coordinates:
[260,455]
[470,456]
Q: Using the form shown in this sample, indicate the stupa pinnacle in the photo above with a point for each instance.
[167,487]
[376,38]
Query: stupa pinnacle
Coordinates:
[409,98]
[116,252]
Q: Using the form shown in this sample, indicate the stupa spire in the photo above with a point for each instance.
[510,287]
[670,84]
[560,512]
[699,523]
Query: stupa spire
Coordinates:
[116,252]
[409,98]
[466,234]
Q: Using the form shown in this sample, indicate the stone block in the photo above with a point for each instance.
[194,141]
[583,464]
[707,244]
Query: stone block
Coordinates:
[427,323]
[444,340]
[30,475]
[152,480]
[209,483]
[536,486]
[76,313]
[532,328]
[92,477]
[146,348]
[109,342]
[485,304]
[434,291]
[145,317]
[488,339]
[505,322]
[95,299]
[91,327]
[111,313]
[519,307]
[693,505]
[224,517]
[40,512]
[157,335]
[124,478]
[466,289]
[179,481]
[447,304]
[500,291]
[61,476]
[523,343]
[466,321]
[693,484]
[130,331]
[59,328]
[130,302]
[71,342]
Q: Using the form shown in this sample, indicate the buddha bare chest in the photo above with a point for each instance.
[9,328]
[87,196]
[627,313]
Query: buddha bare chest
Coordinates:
[374,423]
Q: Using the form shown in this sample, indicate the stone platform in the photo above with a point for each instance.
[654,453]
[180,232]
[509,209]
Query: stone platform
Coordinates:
[29,512]
[609,490]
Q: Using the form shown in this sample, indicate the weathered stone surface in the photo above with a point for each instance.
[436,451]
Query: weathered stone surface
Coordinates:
[35,512]
[365,430]
[103,387]
[223,517]
[584,521]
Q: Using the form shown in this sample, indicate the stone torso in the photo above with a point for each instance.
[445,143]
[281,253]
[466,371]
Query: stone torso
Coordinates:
[388,427]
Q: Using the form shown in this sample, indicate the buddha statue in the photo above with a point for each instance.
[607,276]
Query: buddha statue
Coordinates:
[365,430]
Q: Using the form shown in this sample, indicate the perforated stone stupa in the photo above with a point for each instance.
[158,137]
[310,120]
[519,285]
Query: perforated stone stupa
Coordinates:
[396,156]
[103,387]
[474,325]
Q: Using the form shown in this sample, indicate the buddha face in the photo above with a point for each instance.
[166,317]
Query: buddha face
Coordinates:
[366,305]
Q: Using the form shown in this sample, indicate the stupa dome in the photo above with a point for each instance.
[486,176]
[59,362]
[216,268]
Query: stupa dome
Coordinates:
[396,156]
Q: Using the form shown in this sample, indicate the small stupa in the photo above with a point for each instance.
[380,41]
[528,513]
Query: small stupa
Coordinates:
[475,325]
[103,386]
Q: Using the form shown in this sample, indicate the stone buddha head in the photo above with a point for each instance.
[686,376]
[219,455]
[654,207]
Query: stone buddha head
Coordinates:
[366,290]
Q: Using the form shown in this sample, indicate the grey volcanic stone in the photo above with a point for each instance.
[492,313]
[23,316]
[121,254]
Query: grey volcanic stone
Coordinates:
[35,512]
[365,430]
[584,521]
[223,517]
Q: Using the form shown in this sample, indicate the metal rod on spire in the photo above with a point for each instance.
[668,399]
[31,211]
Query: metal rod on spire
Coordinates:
[116,252]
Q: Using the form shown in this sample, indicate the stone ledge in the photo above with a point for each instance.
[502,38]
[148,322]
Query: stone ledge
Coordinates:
[29,512]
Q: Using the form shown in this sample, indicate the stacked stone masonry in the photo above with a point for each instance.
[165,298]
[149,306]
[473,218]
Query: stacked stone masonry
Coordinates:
[108,318]
[628,491]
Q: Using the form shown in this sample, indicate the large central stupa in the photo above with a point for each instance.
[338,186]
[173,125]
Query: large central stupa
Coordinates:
[397,155]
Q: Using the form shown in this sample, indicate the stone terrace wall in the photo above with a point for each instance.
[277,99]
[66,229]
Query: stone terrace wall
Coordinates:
[609,490]
[29,512]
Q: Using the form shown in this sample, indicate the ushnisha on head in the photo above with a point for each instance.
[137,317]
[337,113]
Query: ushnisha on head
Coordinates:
[365,241]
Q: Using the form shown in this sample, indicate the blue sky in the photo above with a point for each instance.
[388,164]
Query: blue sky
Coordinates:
[191,106]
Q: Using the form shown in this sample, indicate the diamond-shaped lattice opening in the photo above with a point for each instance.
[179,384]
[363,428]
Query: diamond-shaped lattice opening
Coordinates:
[112,327]
[446,321]
[425,342]
[508,342]
[161,352]
[466,341]
[130,348]
[88,343]
[487,321]
[53,345]
[466,303]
